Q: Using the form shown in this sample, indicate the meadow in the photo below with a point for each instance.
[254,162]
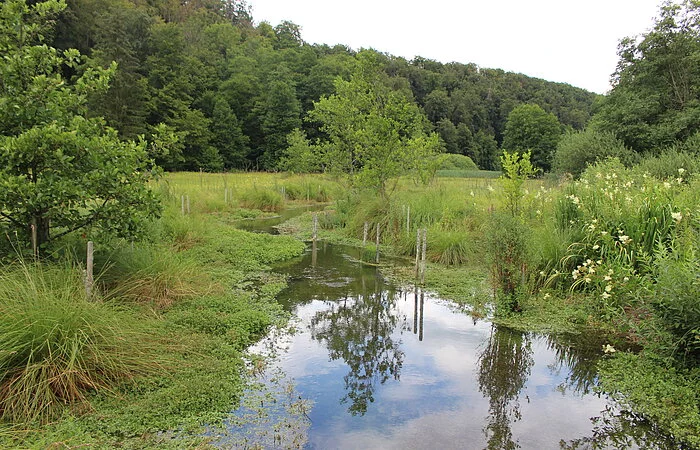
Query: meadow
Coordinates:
[157,352]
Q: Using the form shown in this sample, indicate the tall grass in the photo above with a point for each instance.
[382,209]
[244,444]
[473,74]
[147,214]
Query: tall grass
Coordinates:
[57,346]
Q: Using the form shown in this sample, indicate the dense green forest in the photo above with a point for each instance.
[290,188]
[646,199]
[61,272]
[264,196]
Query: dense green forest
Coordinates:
[232,90]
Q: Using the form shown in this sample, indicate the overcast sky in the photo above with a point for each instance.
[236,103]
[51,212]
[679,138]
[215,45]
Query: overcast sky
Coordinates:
[568,41]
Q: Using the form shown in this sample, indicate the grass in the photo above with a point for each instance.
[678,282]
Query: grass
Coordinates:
[58,346]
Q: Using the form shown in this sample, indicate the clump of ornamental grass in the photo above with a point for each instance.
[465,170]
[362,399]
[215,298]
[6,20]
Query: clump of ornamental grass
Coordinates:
[57,346]
[150,274]
[450,247]
[262,199]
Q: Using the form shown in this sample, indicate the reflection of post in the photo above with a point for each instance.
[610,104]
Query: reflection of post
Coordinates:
[315,227]
[313,254]
[422,300]
[377,255]
[415,310]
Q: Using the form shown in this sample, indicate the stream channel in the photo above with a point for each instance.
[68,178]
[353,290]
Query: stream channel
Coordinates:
[366,364]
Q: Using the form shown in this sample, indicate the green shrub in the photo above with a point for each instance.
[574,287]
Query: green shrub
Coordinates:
[671,164]
[580,149]
[452,161]
[57,346]
[507,243]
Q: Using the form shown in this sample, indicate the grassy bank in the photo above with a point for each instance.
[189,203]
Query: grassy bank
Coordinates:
[155,354]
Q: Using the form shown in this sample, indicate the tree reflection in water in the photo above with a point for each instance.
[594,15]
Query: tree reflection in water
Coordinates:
[358,330]
[504,367]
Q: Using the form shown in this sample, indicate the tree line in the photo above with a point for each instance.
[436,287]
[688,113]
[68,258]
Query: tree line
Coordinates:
[230,91]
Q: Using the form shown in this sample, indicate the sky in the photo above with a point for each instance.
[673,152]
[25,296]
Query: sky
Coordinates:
[567,41]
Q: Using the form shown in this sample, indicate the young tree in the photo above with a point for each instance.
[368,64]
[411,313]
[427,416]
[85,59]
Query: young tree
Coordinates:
[529,127]
[58,169]
[375,134]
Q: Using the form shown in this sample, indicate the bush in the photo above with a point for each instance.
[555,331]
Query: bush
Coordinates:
[577,150]
[671,164]
[452,161]
[57,346]
[507,241]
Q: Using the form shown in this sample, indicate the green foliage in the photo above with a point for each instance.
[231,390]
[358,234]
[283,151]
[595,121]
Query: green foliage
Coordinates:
[262,199]
[655,99]
[665,395]
[58,169]
[451,161]
[671,163]
[57,347]
[299,155]
[375,133]
[531,128]
[507,243]
[578,149]
[451,247]
[516,169]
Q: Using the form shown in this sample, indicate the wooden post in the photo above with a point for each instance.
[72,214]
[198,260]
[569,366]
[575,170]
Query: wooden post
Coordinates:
[415,309]
[284,193]
[420,325]
[423,264]
[315,227]
[35,244]
[89,278]
[417,252]
[364,235]
[182,204]
[377,255]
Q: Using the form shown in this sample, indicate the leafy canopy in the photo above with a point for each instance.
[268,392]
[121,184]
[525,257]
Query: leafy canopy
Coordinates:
[374,133]
[529,127]
[60,170]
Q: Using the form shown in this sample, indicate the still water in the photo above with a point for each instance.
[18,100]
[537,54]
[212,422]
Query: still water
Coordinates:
[371,365]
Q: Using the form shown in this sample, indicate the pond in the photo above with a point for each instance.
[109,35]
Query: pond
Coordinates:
[371,365]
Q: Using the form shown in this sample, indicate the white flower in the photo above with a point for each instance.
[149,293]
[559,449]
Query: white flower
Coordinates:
[591,270]
[596,247]
[607,348]
[471,193]
[546,296]
[667,185]
[606,295]
[607,278]
[603,233]
[626,279]
[608,288]
[681,171]
[490,188]
[587,279]
[624,240]
[677,216]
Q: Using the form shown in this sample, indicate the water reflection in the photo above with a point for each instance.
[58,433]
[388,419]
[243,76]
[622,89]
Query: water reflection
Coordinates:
[359,331]
[504,366]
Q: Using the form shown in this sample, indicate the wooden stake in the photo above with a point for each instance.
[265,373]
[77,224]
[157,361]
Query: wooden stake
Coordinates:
[35,245]
[417,252]
[377,255]
[315,227]
[364,235]
[423,265]
[89,278]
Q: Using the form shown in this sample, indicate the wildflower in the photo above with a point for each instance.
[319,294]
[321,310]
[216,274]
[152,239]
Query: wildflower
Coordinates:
[667,185]
[591,227]
[541,273]
[596,247]
[538,212]
[606,295]
[677,216]
[607,278]
[679,180]
[587,279]
[603,233]
[608,288]
[591,270]
[574,274]
[546,296]
[599,262]
[490,188]
[607,348]
[624,240]
[610,271]
[626,279]
[681,171]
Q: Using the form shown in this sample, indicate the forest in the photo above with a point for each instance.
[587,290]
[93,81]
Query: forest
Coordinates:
[156,129]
